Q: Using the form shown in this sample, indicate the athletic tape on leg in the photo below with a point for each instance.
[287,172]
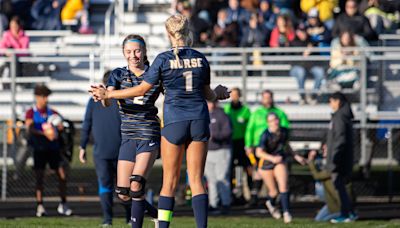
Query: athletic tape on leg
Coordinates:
[164,215]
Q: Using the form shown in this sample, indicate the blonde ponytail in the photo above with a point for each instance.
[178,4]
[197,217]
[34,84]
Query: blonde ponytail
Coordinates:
[178,27]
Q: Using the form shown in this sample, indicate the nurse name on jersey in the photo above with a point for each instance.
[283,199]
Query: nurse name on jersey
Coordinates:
[186,63]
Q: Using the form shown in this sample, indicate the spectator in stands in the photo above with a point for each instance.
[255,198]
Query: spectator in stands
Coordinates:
[256,126]
[22,8]
[105,124]
[250,5]
[238,14]
[200,27]
[254,34]
[299,69]
[46,14]
[217,169]
[352,20]
[5,14]
[325,9]
[340,153]
[43,125]
[318,33]
[343,70]
[15,37]
[381,22]
[77,10]
[225,34]
[267,15]
[239,115]
[283,33]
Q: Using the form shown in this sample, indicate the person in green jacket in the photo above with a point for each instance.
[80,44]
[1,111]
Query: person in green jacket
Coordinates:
[255,128]
[331,209]
[239,115]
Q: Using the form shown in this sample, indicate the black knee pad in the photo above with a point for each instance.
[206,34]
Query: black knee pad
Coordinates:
[122,191]
[142,181]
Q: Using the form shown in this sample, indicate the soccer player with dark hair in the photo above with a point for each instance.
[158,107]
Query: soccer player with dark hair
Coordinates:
[273,152]
[185,74]
[140,128]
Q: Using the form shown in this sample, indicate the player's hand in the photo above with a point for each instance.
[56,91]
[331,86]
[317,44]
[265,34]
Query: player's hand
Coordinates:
[300,159]
[311,155]
[222,92]
[82,155]
[277,159]
[98,92]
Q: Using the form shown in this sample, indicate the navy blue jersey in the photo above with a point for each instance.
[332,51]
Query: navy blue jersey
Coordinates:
[138,115]
[274,143]
[184,82]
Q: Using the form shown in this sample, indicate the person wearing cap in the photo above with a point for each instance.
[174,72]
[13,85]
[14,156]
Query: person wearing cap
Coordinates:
[43,138]
[325,7]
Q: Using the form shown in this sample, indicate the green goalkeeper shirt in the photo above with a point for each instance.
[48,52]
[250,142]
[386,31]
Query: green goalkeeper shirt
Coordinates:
[239,118]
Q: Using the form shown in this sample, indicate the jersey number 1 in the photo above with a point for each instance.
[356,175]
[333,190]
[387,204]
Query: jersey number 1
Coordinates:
[188,75]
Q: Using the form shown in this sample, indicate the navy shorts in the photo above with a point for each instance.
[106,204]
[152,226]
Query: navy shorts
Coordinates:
[267,165]
[186,131]
[131,147]
[44,157]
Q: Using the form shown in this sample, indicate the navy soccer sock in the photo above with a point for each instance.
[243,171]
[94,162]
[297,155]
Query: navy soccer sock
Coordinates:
[150,209]
[165,210]
[137,213]
[200,209]
[285,201]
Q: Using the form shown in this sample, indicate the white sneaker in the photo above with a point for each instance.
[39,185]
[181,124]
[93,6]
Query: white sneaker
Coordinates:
[272,210]
[63,209]
[156,224]
[287,217]
[40,211]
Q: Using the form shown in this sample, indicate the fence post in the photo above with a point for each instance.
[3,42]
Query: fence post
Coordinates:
[244,75]
[390,159]
[91,68]
[4,173]
[363,112]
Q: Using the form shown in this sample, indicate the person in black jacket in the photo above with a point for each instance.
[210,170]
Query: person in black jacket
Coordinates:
[352,20]
[217,169]
[340,152]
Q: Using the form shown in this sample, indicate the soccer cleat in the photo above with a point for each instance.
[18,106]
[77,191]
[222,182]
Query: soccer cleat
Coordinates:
[341,219]
[63,209]
[106,224]
[273,210]
[40,211]
[287,217]
[353,216]
[156,223]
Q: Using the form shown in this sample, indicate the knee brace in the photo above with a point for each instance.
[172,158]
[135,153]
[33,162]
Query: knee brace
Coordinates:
[142,182]
[122,191]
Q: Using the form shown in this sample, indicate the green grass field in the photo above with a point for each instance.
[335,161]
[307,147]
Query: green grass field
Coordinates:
[184,222]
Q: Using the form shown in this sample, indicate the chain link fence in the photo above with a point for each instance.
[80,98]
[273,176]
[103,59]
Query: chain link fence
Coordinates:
[383,151]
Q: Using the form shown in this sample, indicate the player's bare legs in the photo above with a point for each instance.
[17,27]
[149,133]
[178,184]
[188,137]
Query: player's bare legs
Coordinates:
[171,156]
[140,173]
[269,180]
[281,175]
[196,158]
